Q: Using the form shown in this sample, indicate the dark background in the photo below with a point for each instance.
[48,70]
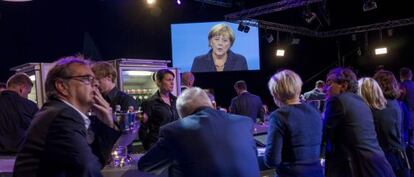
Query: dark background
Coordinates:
[44,30]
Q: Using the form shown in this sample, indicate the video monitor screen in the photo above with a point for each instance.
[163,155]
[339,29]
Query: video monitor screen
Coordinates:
[214,46]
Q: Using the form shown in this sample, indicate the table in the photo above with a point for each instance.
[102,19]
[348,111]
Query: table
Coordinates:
[6,166]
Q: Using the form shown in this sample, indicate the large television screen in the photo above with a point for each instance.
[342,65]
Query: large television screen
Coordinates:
[192,50]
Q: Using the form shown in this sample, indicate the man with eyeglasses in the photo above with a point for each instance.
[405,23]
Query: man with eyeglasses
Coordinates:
[56,143]
[352,148]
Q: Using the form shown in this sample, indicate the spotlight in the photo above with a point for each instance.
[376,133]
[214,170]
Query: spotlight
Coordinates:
[246,29]
[243,28]
[353,37]
[280,52]
[240,27]
[390,32]
[308,15]
[369,5]
[269,38]
[179,2]
[381,51]
[151,2]
[295,41]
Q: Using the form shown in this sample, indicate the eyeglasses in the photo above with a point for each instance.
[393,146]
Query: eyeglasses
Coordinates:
[85,79]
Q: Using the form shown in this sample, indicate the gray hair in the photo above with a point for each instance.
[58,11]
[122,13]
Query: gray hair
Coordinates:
[190,100]
[61,70]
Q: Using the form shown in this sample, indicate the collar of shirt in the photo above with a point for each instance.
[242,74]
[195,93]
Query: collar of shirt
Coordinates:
[157,96]
[84,117]
[244,91]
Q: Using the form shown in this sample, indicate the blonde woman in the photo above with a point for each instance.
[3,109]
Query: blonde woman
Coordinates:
[220,58]
[295,132]
[388,121]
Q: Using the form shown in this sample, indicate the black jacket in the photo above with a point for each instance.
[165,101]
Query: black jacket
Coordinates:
[57,145]
[247,104]
[208,143]
[16,113]
[205,63]
[353,149]
[159,114]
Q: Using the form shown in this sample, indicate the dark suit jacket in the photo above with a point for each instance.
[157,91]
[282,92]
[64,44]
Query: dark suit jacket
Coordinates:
[316,99]
[205,144]
[294,140]
[247,104]
[16,113]
[205,63]
[56,145]
[353,149]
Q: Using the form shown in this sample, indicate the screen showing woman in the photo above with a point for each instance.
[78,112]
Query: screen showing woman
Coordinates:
[214,47]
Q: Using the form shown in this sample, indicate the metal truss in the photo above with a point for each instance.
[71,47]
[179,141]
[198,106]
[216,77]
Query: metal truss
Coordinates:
[366,28]
[277,27]
[217,2]
[269,8]
[326,34]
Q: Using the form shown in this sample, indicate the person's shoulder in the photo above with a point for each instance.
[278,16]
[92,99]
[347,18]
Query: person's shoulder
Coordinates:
[308,93]
[235,98]
[239,118]
[237,56]
[253,95]
[200,58]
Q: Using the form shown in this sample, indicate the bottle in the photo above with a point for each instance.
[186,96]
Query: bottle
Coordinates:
[117,113]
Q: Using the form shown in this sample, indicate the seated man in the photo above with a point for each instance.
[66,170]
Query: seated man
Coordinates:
[56,143]
[106,76]
[16,113]
[204,143]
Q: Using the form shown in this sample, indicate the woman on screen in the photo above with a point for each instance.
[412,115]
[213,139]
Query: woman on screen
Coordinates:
[220,57]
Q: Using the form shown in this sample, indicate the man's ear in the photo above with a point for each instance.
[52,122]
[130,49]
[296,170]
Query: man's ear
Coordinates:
[21,89]
[61,87]
[158,83]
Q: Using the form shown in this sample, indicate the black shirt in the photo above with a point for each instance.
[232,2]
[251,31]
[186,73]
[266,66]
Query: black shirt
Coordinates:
[159,113]
[118,97]
[16,113]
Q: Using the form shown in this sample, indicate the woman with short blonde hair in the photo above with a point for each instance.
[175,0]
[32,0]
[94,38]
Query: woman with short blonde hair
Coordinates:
[295,130]
[285,87]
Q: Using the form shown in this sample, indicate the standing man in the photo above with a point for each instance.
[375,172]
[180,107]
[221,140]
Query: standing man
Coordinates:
[187,80]
[316,97]
[56,143]
[352,147]
[407,97]
[16,113]
[106,76]
[245,103]
[204,143]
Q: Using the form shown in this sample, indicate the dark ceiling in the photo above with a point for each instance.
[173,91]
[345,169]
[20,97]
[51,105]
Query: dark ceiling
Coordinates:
[44,30]
[335,14]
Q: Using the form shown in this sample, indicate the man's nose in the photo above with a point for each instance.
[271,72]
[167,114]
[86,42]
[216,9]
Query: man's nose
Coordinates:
[95,83]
